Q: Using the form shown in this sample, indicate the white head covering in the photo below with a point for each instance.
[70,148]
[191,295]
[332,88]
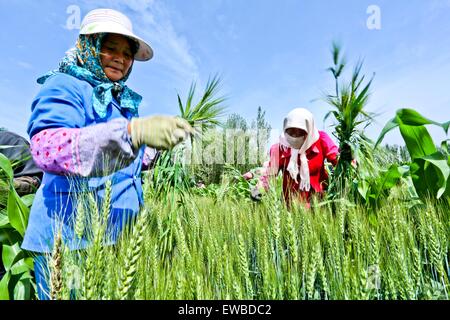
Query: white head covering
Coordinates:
[302,119]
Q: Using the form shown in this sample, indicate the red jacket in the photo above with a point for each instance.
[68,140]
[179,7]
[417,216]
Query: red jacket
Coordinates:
[322,149]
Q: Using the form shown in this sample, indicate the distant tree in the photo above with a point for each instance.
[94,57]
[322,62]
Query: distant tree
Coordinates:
[236,121]
[238,138]
[263,133]
[235,136]
[400,152]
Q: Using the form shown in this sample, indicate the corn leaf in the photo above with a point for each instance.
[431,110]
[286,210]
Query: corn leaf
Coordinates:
[9,255]
[416,137]
[5,165]
[412,118]
[9,236]
[391,124]
[417,140]
[439,163]
[4,291]
[18,212]
[22,290]
[430,175]
[4,220]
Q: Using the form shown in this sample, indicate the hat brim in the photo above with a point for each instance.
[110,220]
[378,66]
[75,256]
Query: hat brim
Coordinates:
[144,53]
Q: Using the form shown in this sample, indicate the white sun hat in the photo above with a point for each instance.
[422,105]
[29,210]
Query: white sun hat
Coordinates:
[112,21]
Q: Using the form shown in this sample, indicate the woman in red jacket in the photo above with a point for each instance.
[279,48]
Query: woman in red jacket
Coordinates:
[300,155]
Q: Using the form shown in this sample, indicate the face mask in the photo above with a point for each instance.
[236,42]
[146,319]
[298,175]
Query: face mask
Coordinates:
[295,143]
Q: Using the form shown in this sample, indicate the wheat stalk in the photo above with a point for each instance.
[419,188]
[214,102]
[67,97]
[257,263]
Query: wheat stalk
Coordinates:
[311,273]
[80,220]
[56,266]
[292,239]
[243,265]
[133,254]
[321,270]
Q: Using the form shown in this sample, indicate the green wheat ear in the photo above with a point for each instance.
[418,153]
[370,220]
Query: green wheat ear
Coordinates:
[292,238]
[56,282]
[106,202]
[232,254]
[80,220]
[133,255]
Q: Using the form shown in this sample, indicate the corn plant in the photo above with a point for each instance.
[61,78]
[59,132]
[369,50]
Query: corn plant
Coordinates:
[348,103]
[430,167]
[17,282]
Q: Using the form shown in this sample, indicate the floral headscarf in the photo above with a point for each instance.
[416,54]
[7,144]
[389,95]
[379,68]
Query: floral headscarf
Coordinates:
[83,62]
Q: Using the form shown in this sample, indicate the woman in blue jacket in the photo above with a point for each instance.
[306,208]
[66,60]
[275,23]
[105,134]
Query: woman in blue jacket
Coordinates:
[85,131]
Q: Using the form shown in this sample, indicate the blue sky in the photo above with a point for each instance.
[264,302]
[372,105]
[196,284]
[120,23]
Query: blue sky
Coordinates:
[269,53]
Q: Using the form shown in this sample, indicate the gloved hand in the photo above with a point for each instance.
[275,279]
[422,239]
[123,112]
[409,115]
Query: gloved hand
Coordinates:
[159,132]
[26,185]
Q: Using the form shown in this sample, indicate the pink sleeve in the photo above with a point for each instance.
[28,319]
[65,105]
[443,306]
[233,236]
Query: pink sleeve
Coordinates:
[90,151]
[329,148]
[271,167]
[54,150]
